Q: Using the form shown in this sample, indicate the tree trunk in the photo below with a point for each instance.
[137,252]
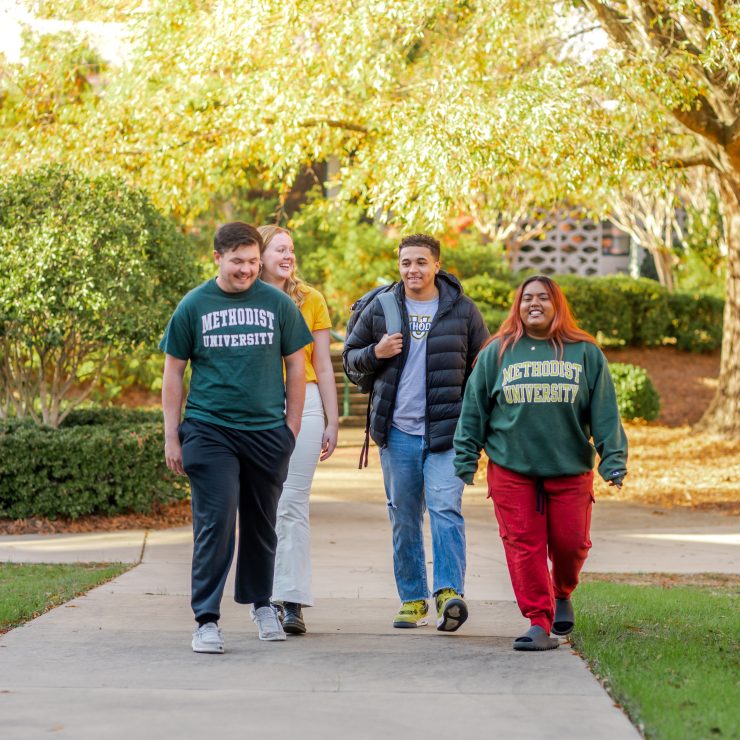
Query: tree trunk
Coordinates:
[723,414]
[663,264]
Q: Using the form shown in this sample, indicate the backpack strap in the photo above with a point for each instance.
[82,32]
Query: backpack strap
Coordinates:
[393,325]
[389,304]
[365,451]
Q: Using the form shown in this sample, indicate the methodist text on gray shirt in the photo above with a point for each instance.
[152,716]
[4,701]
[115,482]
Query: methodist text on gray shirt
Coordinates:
[409,414]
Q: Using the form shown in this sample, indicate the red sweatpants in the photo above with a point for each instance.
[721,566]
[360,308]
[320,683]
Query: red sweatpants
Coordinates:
[529,537]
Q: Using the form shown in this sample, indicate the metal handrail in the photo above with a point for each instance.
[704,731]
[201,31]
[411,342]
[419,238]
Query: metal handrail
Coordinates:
[337,337]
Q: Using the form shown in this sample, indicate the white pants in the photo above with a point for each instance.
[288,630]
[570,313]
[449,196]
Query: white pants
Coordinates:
[293,557]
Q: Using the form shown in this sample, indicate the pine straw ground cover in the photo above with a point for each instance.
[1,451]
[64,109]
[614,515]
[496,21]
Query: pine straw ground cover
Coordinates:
[670,464]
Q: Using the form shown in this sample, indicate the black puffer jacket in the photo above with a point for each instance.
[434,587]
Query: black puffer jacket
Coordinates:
[454,339]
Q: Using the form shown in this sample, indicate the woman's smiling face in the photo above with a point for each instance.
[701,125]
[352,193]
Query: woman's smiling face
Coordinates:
[536,310]
[278,259]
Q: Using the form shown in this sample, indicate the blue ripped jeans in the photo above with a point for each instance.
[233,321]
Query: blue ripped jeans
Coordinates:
[417,479]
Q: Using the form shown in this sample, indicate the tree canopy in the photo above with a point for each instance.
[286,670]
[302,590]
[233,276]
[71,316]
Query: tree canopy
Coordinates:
[427,108]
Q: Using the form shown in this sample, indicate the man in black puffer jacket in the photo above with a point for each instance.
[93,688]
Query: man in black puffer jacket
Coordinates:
[420,375]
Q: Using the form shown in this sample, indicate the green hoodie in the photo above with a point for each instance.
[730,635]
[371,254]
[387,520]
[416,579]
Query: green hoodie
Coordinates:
[535,412]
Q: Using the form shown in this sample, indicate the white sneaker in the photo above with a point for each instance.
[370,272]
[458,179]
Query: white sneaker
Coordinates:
[268,624]
[208,638]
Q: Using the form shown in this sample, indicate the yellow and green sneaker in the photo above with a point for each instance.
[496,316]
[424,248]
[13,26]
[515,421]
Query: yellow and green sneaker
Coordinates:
[412,614]
[451,610]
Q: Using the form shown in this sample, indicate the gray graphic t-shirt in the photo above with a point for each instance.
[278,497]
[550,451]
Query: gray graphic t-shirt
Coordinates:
[411,401]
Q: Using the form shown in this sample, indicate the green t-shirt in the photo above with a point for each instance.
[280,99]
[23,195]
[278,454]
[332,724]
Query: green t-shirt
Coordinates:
[236,343]
[536,412]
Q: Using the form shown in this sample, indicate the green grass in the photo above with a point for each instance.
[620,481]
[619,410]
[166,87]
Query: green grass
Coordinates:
[668,656]
[26,591]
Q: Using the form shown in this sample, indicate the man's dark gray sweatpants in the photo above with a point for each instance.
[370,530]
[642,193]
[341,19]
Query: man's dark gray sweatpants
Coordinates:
[233,470]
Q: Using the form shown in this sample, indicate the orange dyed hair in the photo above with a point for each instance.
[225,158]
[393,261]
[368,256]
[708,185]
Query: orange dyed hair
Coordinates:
[563,328]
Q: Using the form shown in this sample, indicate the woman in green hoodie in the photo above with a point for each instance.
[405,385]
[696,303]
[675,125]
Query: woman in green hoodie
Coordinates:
[538,396]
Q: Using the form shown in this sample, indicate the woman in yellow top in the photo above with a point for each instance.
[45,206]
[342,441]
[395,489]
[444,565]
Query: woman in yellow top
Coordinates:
[316,441]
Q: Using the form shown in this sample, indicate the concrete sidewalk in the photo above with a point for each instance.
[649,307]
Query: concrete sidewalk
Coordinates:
[117,663]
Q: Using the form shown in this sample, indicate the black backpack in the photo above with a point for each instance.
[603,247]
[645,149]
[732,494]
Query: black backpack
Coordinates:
[393,323]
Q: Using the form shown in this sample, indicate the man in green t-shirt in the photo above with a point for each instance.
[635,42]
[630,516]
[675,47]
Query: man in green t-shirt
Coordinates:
[240,424]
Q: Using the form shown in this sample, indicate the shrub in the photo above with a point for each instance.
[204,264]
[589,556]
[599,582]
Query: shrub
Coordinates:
[343,256]
[493,297]
[493,318]
[465,256]
[648,308]
[112,416]
[599,308]
[696,322]
[90,268]
[636,394]
[489,291]
[107,462]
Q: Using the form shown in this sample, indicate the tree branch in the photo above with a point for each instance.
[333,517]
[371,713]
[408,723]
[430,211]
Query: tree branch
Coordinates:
[614,23]
[331,123]
[703,121]
[91,385]
[697,160]
[718,10]
[655,19]
[205,136]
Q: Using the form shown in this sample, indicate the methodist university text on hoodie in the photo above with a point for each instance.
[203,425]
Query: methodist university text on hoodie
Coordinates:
[535,412]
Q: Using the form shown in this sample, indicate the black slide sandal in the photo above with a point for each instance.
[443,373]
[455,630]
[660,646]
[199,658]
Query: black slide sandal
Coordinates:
[535,638]
[564,618]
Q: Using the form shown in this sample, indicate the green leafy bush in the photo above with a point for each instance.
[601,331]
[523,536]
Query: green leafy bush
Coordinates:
[465,256]
[599,308]
[649,312]
[342,255]
[696,322]
[112,416]
[636,394]
[106,461]
[492,295]
[90,270]
[491,291]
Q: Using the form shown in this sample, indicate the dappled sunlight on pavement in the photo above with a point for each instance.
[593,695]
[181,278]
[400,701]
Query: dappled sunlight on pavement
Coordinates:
[710,539]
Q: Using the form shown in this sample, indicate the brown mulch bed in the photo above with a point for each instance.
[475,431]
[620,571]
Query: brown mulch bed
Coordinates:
[165,517]
[685,381]
[669,463]
[678,467]
[723,581]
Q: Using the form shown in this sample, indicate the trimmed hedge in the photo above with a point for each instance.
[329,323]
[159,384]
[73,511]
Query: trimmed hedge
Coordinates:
[619,310]
[696,321]
[490,291]
[106,461]
[636,394]
[648,309]
[598,308]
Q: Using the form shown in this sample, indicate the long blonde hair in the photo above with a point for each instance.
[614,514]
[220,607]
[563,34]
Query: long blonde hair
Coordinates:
[295,286]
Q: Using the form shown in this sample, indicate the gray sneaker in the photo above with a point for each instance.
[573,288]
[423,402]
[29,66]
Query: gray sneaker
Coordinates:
[268,624]
[208,638]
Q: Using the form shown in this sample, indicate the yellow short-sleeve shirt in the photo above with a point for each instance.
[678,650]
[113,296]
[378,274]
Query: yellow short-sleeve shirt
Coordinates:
[316,314]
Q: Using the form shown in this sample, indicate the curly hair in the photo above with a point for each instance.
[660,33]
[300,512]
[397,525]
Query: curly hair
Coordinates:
[421,240]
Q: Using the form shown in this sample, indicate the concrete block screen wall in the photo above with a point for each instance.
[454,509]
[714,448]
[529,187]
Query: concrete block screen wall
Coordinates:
[577,246]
